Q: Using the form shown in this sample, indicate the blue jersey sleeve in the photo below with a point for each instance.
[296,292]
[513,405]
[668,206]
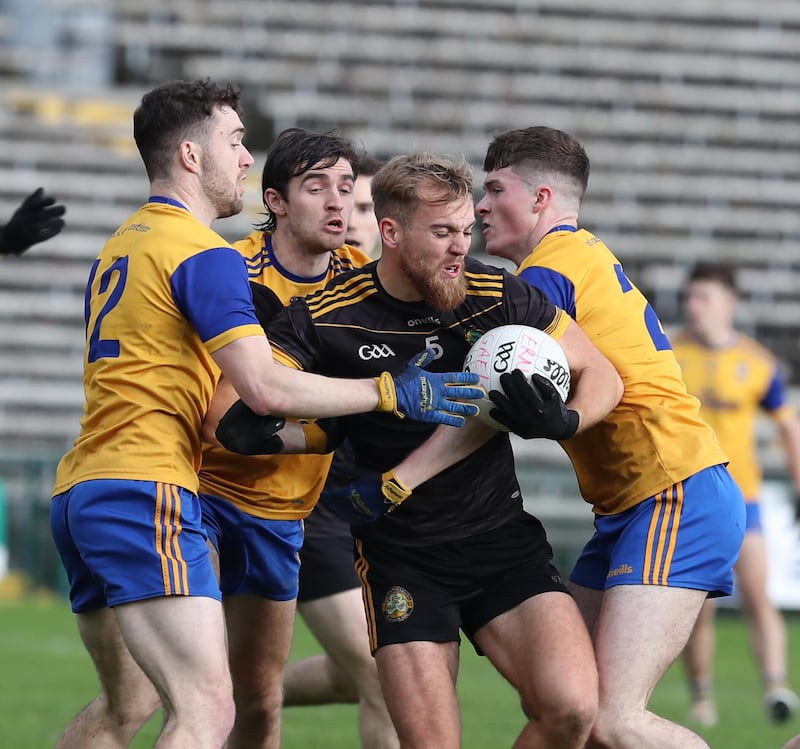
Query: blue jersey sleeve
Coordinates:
[557,286]
[775,397]
[212,291]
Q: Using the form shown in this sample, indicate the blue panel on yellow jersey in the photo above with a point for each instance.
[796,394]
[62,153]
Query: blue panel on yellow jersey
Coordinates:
[732,383]
[655,437]
[209,294]
[557,286]
[275,487]
[146,396]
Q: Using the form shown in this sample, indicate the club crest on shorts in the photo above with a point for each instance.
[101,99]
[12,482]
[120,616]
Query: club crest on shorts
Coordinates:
[398,604]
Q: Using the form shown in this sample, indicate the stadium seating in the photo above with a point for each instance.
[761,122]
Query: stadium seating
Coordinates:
[688,112]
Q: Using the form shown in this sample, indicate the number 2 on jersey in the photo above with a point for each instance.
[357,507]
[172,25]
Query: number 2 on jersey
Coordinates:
[116,273]
[651,321]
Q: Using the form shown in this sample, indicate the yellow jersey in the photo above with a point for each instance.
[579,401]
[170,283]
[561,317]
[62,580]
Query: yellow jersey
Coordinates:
[277,487]
[165,293]
[733,382]
[655,437]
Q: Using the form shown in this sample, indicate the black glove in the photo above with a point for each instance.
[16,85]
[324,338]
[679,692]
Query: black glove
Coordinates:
[532,409]
[37,219]
[243,431]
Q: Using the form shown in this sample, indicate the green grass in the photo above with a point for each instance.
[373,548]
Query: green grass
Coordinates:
[47,677]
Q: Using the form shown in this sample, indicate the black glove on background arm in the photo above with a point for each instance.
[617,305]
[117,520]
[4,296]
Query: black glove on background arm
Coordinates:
[532,409]
[36,220]
[241,430]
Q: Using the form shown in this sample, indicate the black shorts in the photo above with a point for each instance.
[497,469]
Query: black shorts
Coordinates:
[327,557]
[429,593]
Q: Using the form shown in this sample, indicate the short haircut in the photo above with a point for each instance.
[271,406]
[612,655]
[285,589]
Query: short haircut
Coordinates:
[406,181]
[174,112]
[542,151]
[722,273]
[297,150]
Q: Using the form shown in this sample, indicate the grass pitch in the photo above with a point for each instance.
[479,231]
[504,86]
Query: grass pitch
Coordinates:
[47,678]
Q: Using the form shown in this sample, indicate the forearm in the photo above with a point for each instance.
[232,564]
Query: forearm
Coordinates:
[444,448]
[790,434]
[271,388]
[596,391]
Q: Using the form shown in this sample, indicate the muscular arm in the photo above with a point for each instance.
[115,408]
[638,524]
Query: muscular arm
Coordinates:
[596,385]
[271,388]
[596,390]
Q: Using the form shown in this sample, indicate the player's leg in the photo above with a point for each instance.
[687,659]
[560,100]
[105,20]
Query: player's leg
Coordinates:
[698,657]
[258,563]
[179,641]
[347,673]
[766,627]
[127,698]
[418,681]
[329,600]
[259,640]
[641,630]
[543,648]
[793,743]
[143,542]
[657,567]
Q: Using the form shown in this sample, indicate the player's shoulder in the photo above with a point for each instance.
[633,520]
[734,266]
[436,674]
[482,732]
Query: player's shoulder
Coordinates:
[348,257]
[343,292]
[481,275]
[753,349]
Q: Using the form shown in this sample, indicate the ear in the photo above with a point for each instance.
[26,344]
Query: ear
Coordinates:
[190,155]
[542,198]
[391,232]
[275,202]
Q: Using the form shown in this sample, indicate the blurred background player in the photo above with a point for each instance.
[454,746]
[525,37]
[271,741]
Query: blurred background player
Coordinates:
[329,595]
[652,469]
[734,377]
[37,219]
[254,506]
[362,229]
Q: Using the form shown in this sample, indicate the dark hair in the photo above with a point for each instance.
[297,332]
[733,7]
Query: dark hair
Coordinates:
[722,273]
[368,166]
[294,152]
[173,112]
[540,149]
[408,180]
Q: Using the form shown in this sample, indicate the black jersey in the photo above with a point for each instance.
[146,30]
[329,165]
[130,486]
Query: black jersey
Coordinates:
[354,328]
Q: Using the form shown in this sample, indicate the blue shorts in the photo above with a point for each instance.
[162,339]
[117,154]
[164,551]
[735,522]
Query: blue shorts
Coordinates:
[256,555]
[687,536]
[123,541]
[753,510]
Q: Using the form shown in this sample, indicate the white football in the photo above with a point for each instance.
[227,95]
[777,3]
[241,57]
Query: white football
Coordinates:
[520,347]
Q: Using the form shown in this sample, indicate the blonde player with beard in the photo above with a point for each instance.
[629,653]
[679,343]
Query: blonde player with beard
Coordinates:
[460,554]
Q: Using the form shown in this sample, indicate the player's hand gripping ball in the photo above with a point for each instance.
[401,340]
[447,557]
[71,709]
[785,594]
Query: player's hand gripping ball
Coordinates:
[509,347]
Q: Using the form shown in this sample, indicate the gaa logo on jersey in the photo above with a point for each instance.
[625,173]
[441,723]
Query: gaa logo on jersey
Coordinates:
[398,604]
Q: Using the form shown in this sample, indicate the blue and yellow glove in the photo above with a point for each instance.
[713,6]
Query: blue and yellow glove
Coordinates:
[367,497]
[434,397]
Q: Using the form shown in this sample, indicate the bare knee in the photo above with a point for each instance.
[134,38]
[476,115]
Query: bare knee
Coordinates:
[572,724]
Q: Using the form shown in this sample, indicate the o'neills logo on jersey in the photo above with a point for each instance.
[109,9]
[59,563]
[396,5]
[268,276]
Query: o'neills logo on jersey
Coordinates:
[431,320]
[375,351]
[398,604]
[623,569]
